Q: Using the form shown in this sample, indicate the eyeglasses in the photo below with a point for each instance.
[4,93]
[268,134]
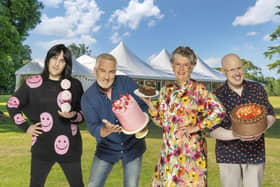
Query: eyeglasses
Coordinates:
[185,66]
[232,70]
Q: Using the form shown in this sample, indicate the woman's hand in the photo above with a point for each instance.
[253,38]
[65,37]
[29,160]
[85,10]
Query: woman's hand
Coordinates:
[67,115]
[188,130]
[35,129]
[147,100]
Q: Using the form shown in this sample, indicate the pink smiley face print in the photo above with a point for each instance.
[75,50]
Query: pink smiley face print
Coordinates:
[61,144]
[33,140]
[13,102]
[34,81]
[18,119]
[74,129]
[46,121]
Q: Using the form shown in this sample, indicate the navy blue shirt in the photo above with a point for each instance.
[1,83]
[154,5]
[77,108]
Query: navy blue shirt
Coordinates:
[237,151]
[97,106]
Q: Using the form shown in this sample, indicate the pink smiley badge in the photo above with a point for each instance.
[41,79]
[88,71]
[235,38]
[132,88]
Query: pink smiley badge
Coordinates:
[34,81]
[13,102]
[18,119]
[61,144]
[46,121]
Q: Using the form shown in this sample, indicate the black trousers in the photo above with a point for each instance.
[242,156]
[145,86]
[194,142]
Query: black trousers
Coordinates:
[40,170]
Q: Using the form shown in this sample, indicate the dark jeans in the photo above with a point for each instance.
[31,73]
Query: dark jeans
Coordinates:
[40,170]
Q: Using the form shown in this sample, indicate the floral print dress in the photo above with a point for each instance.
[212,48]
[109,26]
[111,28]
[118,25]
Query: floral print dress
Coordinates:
[183,160]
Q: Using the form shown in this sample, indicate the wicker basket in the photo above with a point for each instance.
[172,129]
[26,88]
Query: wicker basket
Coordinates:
[248,127]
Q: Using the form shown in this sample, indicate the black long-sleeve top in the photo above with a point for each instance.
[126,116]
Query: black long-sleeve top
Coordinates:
[38,100]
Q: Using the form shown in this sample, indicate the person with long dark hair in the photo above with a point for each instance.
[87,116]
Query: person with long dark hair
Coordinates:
[51,102]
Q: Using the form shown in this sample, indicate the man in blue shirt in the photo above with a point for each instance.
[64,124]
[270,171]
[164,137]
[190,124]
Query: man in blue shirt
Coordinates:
[112,144]
[240,160]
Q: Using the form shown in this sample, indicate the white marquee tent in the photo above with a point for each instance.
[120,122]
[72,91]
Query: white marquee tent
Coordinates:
[87,61]
[31,68]
[133,66]
[157,68]
[36,67]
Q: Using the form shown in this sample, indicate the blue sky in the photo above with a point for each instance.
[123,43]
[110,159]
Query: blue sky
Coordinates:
[212,28]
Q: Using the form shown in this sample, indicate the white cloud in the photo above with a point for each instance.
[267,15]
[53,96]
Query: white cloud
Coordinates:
[57,26]
[251,33]
[134,13]
[263,11]
[152,23]
[116,37]
[213,61]
[51,3]
[267,37]
[249,46]
[81,17]
[126,34]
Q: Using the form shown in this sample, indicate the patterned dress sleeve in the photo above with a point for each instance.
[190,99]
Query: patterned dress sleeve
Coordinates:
[16,104]
[210,110]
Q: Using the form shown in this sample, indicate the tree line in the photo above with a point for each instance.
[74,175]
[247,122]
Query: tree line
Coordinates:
[18,17]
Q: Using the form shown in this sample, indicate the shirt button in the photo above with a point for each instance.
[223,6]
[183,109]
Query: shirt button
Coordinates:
[121,152]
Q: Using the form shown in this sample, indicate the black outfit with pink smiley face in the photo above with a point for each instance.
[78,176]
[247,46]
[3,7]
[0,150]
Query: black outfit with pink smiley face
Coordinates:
[38,99]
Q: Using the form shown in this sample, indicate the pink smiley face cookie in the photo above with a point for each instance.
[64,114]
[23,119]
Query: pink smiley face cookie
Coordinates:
[61,144]
[65,84]
[13,102]
[46,121]
[34,81]
[18,119]
[63,97]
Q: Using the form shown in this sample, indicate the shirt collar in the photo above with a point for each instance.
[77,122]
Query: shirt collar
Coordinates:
[228,89]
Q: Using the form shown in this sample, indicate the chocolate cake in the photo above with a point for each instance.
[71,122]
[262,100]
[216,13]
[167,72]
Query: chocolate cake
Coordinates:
[147,90]
[248,120]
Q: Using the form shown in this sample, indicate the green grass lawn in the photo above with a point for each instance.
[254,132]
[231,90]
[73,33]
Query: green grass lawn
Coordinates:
[15,156]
